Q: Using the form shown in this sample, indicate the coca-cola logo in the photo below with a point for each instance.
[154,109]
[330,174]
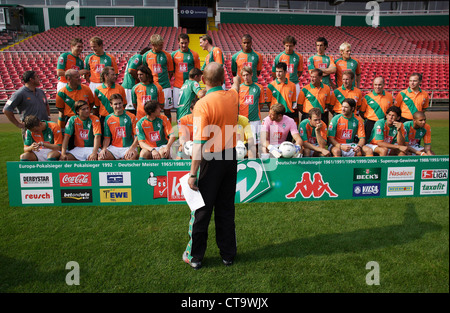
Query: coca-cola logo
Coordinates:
[75,179]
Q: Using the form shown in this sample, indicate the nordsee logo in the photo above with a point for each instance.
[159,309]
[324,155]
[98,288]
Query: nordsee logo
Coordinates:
[366,190]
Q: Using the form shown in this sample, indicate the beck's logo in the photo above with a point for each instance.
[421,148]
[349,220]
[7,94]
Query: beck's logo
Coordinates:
[309,188]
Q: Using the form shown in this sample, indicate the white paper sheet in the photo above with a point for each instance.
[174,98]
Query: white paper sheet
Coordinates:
[193,198]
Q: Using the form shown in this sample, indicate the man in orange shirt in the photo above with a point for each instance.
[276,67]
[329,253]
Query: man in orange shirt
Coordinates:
[247,57]
[68,95]
[104,91]
[215,54]
[70,60]
[96,61]
[347,91]
[345,63]
[215,156]
[184,60]
[283,91]
[412,99]
[322,61]
[313,132]
[315,95]
[376,104]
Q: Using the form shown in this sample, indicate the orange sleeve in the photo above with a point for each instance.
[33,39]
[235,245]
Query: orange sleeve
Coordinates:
[427,102]
[260,62]
[170,66]
[361,131]
[427,137]
[196,60]
[161,97]
[96,126]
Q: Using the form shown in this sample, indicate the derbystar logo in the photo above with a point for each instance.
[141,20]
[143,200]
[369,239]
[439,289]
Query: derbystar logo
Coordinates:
[307,187]
[37,196]
[433,188]
[401,173]
[366,190]
[75,179]
[435,174]
[28,180]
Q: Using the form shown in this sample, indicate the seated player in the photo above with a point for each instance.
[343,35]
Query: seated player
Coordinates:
[343,130]
[245,134]
[87,133]
[43,140]
[314,134]
[275,129]
[120,141]
[388,135]
[154,133]
[416,130]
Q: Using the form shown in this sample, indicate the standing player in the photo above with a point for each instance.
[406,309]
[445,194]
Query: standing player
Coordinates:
[96,62]
[315,95]
[87,132]
[43,140]
[412,99]
[68,95]
[154,133]
[190,89]
[120,141]
[184,60]
[145,91]
[388,135]
[247,57]
[283,91]
[347,63]
[416,130]
[313,132]
[215,54]
[251,101]
[275,130]
[161,65]
[70,60]
[293,60]
[342,132]
[347,91]
[321,61]
[376,104]
[130,77]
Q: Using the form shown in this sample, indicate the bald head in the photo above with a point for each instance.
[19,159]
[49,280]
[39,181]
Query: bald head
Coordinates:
[419,115]
[214,74]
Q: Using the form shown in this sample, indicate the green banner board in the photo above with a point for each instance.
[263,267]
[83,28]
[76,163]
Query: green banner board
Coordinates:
[273,180]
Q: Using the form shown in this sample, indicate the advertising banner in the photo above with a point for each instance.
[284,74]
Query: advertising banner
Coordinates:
[275,180]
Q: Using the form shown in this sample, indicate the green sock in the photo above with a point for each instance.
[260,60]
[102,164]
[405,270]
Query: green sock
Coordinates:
[52,159]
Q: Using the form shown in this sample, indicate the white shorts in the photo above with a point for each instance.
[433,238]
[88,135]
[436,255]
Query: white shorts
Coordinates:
[118,152]
[60,85]
[418,148]
[175,96]
[129,105]
[256,130]
[311,154]
[41,154]
[94,86]
[168,104]
[82,153]
[345,154]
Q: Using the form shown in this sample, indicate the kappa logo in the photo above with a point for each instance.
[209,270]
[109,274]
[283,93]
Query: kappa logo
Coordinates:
[308,188]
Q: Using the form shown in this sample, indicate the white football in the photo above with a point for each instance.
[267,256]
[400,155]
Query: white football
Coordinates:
[287,149]
[241,150]
[188,147]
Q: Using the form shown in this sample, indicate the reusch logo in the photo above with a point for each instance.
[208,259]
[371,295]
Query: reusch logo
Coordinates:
[37,196]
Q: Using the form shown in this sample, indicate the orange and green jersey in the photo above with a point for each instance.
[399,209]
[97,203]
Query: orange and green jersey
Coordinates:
[218,108]
[121,129]
[252,59]
[141,93]
[382,132]
[186,127]
[51,134]
[160,64]
[308,133]
[339,95]
[188,92]
[314,97]
[96,63]
[344,130]
[411,102]
[66,98]
[154,133]
[215,55]
[250,99]
[102,95]
[284,93]
[133,63]
[414,135]
[67,61]
[376,105]
[183,62]
[345,65]
[294,64]
[83,131]
[321,62]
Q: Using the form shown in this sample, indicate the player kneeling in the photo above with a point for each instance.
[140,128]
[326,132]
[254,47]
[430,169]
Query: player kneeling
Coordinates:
[314,135]
[416,130]
[87,133]
[42,140]
[154,132]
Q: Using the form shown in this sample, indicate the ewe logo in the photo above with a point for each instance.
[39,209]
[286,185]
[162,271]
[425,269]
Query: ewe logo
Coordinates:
[115,195]
[252,181]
